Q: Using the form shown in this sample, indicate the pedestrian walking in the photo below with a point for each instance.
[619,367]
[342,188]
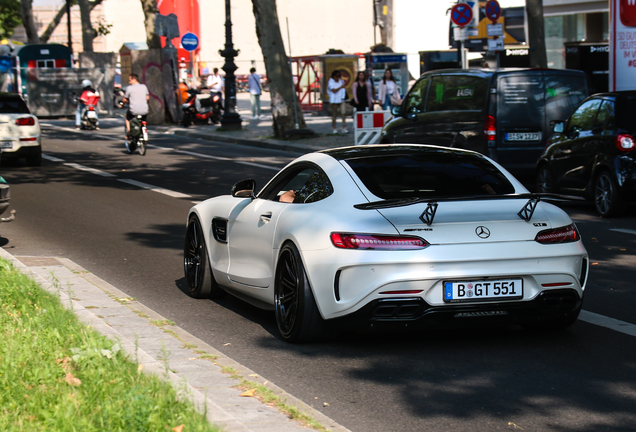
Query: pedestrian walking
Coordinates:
[254,86]
[388,91]
[362,94]
[337,95]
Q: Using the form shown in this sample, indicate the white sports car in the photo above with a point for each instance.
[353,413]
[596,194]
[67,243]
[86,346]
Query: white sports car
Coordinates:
[19,130]
[389,234]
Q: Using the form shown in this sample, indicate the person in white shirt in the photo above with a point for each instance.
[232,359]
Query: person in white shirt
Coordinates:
[254,85]
[216,83]
[337,95]
[386,89]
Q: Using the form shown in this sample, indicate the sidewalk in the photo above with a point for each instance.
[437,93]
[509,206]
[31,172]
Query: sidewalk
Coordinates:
[193,367]
[259,133]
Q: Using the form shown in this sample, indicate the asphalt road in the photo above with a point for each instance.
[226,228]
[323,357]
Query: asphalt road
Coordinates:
[469,379]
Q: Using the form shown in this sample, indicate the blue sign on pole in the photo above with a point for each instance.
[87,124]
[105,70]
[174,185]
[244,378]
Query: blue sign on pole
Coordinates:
[189,41]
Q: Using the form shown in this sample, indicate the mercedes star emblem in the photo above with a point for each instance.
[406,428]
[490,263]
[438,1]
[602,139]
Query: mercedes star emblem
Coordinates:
[482,232]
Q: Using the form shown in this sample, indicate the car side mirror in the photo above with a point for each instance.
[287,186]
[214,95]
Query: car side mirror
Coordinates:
[558,126]
[244,189]
[396,111]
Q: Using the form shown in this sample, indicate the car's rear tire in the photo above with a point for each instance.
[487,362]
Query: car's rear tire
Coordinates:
[544,180]
[297,315]
[198,273]
[607,199]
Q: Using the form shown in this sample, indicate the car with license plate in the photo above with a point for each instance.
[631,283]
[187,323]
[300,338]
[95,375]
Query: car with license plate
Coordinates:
[505,114]
[20,135]
[593,153]
[388,235]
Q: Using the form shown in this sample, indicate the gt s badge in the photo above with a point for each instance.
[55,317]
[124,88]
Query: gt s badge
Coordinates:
[540,224]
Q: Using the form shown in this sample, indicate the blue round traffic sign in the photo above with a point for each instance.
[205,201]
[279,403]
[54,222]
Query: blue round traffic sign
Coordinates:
[189,41]
[461,14]
[493,10]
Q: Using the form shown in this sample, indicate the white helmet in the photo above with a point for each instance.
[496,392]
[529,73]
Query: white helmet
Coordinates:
[86,83]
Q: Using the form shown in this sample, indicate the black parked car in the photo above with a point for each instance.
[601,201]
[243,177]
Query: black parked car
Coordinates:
[592,154]
[505,114]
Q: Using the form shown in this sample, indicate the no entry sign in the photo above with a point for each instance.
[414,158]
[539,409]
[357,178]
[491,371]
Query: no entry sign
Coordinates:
[461,14]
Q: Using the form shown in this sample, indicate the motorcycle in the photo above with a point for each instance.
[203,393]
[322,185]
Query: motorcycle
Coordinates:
[88,118]
[201,108]
[138,135]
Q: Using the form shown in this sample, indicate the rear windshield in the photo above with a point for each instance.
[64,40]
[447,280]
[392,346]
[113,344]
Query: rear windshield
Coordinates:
[13,105]
[626,112]
[430,174]
[457,93]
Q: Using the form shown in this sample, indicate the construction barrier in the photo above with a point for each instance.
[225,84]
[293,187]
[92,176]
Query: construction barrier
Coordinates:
[368,125]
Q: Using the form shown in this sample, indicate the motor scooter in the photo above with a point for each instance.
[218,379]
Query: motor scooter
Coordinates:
[201,108]
[88,117]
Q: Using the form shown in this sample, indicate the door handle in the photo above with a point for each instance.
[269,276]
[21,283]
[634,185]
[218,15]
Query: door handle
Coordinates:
[266,217]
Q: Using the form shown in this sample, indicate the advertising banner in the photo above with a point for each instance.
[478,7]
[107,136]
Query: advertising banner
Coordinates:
[623,45]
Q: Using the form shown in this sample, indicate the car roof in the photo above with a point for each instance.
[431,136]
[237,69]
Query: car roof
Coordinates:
[486,72]
[345,153]
[8,95]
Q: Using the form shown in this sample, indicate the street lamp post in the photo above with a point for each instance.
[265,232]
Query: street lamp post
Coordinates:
[231,120]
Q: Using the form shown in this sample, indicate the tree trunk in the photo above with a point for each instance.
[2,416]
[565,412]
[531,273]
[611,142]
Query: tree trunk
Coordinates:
[281,85]
[26,9]
[150,13]
[88,33]
[536,34]
[57,19]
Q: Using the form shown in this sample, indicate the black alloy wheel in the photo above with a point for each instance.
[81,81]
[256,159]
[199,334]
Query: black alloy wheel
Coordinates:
[607,201]
[544,180]
[198,274]
[297,315]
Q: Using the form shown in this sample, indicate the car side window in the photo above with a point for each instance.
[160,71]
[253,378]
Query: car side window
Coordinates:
[584,116]
[309,184]
[416,99]
[605,119]
[457,93]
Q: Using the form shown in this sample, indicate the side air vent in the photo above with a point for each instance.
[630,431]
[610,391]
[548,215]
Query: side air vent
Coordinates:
[219,229]
[583,277]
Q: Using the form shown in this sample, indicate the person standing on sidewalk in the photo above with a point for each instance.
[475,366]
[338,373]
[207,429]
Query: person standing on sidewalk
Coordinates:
[337,95]
[387,88]
[216,83]
[254,85]
[362,93]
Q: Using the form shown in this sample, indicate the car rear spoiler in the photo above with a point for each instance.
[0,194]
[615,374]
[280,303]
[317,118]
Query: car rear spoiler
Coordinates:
[428,215]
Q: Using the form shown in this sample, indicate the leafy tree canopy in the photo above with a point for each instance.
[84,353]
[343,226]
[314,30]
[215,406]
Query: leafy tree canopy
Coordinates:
[9,17]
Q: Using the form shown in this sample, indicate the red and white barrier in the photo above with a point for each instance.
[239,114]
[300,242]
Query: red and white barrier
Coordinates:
[368,125]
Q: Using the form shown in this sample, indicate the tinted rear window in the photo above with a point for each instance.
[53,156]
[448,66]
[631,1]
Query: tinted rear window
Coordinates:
[12,105]
[520,100]
[457,93]
[430,174]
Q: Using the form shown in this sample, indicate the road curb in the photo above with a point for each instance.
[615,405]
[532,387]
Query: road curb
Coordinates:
[257,416]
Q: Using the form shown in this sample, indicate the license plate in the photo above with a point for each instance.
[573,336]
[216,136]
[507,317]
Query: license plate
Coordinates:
[523,136]
[91,114]
[6,144]
[470,291]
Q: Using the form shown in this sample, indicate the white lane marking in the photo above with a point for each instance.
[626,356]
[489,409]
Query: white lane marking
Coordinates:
[155,188]
[610,323]
[202,155]
[91,170]
[624,230]
[52,159]
[258,165]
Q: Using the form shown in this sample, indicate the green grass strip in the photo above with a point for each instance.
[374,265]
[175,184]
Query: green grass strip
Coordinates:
[56,374]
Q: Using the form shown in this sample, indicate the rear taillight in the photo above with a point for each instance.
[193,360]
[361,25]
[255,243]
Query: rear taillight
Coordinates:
[566,234]
[25,121]
[376,242]
[625,142]
[90,108]
[216,98]
[144,123]
[490,128]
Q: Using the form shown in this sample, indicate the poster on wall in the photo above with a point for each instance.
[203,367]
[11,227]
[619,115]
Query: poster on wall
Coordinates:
[623,45]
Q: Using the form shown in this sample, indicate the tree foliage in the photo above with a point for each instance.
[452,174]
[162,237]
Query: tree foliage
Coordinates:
[9,17]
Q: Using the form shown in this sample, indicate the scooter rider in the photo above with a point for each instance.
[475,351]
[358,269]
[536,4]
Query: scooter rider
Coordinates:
[137,97]
[88,94]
